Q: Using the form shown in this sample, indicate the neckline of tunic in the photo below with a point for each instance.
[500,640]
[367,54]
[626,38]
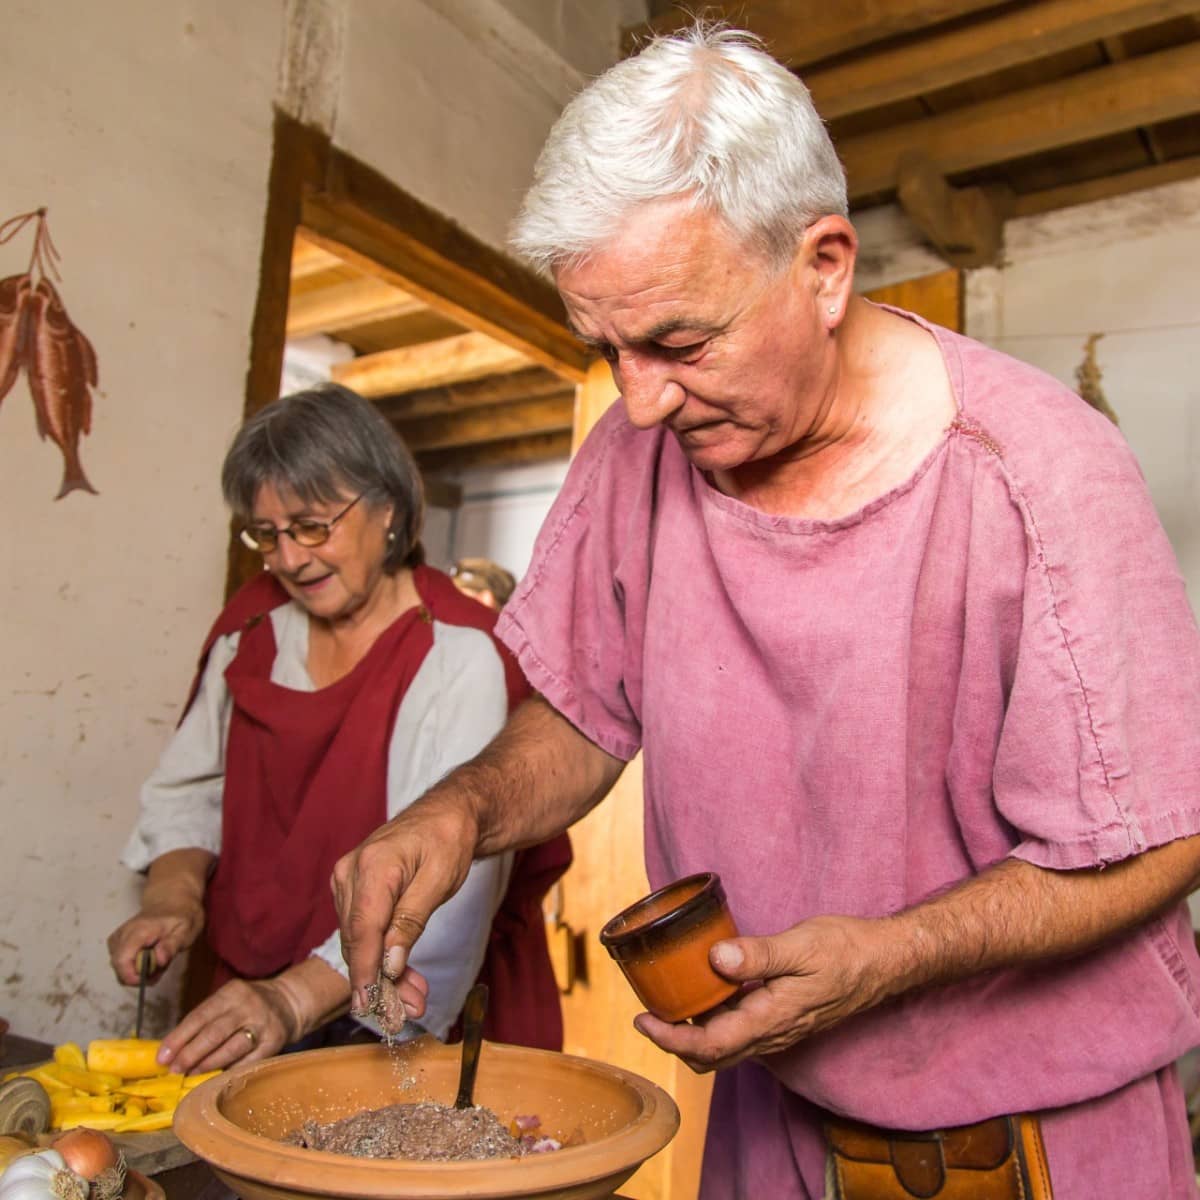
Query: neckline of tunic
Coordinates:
[294,645]
[713,497]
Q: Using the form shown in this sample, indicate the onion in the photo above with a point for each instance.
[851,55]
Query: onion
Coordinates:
[92,1155]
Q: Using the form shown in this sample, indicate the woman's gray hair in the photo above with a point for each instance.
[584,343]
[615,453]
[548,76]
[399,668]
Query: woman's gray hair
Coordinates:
[321,444]
[705,113]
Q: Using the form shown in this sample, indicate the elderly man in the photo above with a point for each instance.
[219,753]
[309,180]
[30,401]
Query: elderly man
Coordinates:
[908,654]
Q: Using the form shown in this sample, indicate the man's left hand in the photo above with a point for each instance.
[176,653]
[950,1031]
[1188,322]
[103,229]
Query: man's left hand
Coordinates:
[801,981]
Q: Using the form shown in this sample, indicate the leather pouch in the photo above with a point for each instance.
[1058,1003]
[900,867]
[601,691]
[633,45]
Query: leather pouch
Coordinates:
[1000,1159]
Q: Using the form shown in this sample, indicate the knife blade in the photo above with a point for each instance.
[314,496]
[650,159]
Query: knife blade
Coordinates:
[145,959]
[474,1010]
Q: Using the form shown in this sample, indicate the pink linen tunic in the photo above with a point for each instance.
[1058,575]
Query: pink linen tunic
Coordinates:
[996,658]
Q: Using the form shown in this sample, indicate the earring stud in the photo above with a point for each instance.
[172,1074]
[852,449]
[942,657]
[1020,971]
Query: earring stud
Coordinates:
[832,309]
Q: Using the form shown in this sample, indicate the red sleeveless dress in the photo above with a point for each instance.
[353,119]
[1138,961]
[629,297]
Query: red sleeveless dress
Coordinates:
[306,781]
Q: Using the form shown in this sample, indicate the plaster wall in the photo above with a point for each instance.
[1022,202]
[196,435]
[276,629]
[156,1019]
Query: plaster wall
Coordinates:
[500,515]
[452,99]
[146,131]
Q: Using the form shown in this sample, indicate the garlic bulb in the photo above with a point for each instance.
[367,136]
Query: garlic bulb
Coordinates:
[42,1176]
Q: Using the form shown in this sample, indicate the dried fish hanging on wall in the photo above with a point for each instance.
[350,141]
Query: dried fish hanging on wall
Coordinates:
[59,362]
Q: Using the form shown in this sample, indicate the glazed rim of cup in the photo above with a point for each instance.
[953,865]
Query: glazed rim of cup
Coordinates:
[707,896]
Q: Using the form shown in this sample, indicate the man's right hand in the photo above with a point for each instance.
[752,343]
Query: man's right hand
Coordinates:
[536,777]
[387,888]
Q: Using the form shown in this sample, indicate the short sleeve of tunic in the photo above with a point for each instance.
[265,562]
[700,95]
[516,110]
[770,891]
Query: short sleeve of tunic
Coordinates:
[569,621]
[1098,755]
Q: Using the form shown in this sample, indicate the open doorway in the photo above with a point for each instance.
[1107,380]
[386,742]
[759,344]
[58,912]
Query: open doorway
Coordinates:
[466,353]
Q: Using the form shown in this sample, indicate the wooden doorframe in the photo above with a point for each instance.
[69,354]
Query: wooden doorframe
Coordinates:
[352,210]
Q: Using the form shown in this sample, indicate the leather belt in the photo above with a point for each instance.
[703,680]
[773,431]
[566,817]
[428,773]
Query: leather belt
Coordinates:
[999,1159]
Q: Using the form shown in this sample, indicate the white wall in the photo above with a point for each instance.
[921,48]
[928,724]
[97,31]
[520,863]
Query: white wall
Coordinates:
[452,99]
[145,126]
[499,518]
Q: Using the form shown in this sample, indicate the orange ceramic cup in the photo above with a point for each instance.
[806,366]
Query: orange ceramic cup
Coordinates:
[661,943]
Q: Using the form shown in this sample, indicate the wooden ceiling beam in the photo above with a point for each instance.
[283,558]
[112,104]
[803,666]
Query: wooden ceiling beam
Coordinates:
[345,305]
[799,32]
[516,452]
[429,364]
[527,384]
[965,225]
[548,414]
[993,43]
[370,223]
[1067,196]
[1108,100]
[310,259]
[442,493]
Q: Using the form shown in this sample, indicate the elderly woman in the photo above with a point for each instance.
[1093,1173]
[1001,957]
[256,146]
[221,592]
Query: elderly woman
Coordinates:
[333,690]
[896,625]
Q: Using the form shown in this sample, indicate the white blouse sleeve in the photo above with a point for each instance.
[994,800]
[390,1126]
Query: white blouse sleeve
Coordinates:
[456,704]
[181,800]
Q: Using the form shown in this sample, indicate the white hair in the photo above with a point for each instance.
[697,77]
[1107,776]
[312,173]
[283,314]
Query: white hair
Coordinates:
[704,114]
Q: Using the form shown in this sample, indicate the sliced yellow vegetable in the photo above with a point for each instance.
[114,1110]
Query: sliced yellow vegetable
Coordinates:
[69,1055]
[155,1105]
[133,1109]
[80,1102]
[50,1082]
[109,1120]
[160,1120]
[190,1081]
[96,1083]
[131,1058]
[162,1085]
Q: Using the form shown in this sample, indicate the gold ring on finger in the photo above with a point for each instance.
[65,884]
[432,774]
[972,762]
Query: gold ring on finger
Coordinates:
[252,1036]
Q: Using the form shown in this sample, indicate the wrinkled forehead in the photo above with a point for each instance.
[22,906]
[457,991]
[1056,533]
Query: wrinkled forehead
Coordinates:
[658,278]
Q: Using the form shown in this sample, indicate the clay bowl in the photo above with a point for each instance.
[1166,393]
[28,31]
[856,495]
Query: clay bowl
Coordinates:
[139,1187]
[234,1120]
[661,944]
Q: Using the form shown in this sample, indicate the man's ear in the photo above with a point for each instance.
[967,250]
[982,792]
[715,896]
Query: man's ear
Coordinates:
[829,250]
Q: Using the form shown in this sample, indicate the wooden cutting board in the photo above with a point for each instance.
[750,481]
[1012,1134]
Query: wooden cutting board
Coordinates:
[153,1153]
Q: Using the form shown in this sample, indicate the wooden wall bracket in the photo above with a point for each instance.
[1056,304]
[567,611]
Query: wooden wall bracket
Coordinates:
[965,225]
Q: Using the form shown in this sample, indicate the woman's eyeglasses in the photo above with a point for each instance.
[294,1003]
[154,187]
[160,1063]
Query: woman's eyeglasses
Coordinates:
[264,538]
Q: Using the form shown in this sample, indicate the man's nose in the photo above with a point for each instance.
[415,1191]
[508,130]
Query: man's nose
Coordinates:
[648,391]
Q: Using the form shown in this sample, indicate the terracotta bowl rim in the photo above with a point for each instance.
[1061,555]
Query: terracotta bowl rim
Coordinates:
[203,1129]
[151,1190]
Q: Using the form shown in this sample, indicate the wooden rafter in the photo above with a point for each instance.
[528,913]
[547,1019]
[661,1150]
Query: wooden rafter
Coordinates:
[806,31]
[431,364]
[993,43]
[527,384]
[344,305]
[1107,186]
[380,229]
[442,493]
[1155,87]
[309,259]
[548,414]
[539,447]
